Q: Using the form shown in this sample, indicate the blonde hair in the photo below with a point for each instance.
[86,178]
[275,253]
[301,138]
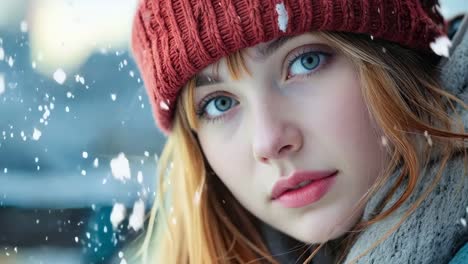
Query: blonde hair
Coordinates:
[192,218]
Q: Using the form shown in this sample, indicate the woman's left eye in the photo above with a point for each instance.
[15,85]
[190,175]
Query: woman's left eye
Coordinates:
[306,63]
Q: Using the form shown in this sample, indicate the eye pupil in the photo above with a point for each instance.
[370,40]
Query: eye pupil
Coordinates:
[310,61]
[223,103]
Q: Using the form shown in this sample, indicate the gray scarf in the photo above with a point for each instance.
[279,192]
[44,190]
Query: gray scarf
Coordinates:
[434,232]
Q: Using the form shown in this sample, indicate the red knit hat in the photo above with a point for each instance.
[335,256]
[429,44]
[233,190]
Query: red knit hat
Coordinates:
[173,40]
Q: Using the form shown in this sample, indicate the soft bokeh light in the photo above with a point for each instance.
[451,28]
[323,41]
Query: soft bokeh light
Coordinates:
[63,34]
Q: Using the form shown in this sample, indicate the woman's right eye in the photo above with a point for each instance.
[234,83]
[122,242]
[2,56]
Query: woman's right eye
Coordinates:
[215,107]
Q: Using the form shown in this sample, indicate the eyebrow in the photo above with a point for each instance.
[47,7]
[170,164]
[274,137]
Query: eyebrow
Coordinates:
[262,53]
[265,51]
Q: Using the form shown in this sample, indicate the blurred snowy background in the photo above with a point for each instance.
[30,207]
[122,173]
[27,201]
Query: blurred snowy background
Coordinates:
[78,145]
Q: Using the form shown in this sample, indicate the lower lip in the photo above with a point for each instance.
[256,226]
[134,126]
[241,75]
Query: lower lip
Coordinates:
[308,194]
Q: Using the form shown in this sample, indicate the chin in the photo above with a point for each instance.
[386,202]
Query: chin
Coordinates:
[325,233]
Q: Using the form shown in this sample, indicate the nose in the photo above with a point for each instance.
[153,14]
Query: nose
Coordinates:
[275,137]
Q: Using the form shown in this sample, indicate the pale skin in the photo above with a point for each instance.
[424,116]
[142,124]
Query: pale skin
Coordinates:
[301,108]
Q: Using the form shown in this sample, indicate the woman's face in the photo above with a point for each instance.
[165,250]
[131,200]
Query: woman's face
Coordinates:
[292,140]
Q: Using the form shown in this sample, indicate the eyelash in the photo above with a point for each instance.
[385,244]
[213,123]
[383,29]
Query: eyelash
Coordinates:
[304,51]
[200,109]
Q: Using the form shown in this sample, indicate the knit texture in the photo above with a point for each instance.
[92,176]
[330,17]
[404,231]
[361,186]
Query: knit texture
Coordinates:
[433,233]
[174,40]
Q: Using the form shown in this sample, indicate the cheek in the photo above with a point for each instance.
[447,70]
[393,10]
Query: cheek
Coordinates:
[346,127]
[227,158]
[356,140]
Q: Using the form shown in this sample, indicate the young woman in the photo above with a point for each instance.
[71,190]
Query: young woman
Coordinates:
[305,131]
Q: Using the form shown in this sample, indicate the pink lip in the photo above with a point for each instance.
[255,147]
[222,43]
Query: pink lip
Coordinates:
[321,182]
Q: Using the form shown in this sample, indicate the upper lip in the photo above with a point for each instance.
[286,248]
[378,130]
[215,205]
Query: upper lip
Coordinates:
[297,177]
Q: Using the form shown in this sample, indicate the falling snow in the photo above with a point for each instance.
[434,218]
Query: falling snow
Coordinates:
[384,141]
[96,163]
[163,105]
[428,138]
[463,222]
[36,134]
[113,97]
[120,167]
[60,76]
[2,84]
[2,54]
[282,17]
[79,79]
[140,177]
[117,214]
[11,61]
[441,46]
[137,217]
[24,26]
[84,155]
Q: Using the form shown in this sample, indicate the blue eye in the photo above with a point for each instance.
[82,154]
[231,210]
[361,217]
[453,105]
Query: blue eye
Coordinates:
[306,63]
[217,106]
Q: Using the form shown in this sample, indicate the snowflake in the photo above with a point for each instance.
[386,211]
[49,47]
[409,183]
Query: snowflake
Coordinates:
[441,46]
[282,17]
[24,26]
[36,134]
[117,214]
[60,76]
[120,167]
[2,84]
[137,217]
